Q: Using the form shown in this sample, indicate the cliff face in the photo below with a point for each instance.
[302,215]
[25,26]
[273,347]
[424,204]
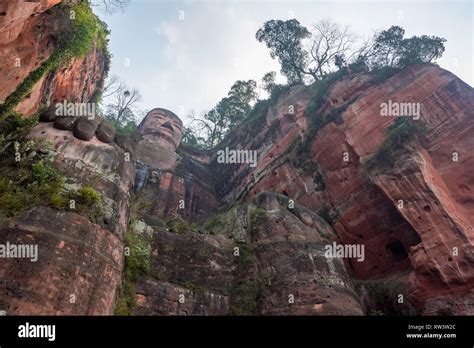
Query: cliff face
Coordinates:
[228,238]
[24,43]
[80,258]
[27,39]
[77,83]
[413,218]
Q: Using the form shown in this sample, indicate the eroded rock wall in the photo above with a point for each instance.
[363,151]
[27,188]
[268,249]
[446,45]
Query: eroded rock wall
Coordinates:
[27,39]
[431,236]
[80,255]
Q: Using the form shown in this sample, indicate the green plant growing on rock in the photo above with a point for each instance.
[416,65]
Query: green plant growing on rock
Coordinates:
[245,287]
[83,30]
[85,199]
[28,176]
[328,215]
[401,133]
[383,295]
[179,225]
[256,217]
[88,195]
[137,265]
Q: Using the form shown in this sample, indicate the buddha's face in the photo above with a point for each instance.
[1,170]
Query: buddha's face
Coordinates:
[162,126]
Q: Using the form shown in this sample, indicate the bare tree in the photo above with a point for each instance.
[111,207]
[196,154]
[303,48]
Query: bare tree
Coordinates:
[208,129]
[112,85]
[125,102]
[366,49]
[328,41]
[110,6]
[121,101]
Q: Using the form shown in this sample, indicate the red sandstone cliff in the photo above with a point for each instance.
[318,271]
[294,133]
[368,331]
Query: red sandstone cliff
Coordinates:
[414,217]
[436,218]
[26,41]
[80,261]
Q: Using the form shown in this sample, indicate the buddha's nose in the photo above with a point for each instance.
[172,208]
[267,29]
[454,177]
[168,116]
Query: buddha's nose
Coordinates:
[167,125]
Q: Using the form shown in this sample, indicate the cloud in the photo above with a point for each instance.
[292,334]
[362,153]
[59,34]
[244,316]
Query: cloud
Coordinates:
[190,63]
[212,47]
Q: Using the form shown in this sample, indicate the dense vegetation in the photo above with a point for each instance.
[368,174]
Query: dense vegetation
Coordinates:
[137,264]
[399,135]
[332,46]
[28,176]
[335,51]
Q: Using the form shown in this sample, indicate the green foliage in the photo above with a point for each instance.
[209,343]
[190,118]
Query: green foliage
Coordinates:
[321,89]
[394,51]
[141,205]
[229,112]
[179,225]
[194,287]
[82,31]
[13,128]
[139,261]
[399,135]
[327,214]
[88,195]
[75,41]
[384,73]
[28,177]
[243,298]
[189,138]
[330,43]
[318,179]
[244,289]
[213,223]
[268,82]
[137,264]
[284,39]
[86,200]
[24,88]
[383,296]
[255,120]
[256,217]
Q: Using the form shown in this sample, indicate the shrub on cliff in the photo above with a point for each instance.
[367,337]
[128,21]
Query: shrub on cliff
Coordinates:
[137,264]
[27,177]
[392,50]
[386,296]
[82,31]
[245,286]
[402,132]
[308,56]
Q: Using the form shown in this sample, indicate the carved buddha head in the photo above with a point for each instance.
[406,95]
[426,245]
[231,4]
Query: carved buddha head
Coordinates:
[163,127]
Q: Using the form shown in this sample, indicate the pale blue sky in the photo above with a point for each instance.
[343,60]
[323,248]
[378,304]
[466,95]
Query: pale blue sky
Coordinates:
[190,63]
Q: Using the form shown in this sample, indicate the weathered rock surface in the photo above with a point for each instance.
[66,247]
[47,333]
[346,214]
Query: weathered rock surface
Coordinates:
[106,132]
[202,275]
[286,259]
[24,41]
[80,255]
[65,123]
[77,260]
[435,220]
[48,115]
[299,279]
[259,255]
[84,129]
[27,37]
